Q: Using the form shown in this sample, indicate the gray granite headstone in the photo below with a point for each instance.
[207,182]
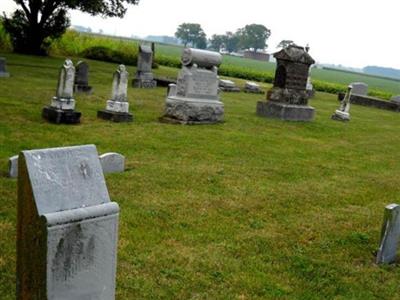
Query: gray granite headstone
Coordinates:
[360,88]
[144,74]
[67,227]
[82,78]
[112,163]
[252,87]
[228,86]
[13,166]
[3,70]
[390,235]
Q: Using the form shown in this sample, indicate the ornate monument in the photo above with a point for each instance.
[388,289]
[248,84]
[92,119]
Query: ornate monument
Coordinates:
[288,99]
[195,98]
[117,109]
[62,107]
[343,113]
[144,74]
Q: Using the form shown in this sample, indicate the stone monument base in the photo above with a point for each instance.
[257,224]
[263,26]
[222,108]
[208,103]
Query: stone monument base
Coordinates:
[341,116]
[4,75]
[118,117]
[283,111]
[145,84]
[59,116]
[230,89]
[83,89]
[192,111]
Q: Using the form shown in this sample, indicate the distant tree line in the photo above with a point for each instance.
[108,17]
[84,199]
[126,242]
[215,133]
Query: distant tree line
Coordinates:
[253,36]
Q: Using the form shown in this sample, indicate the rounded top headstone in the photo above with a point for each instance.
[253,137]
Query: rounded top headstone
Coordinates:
[202,58]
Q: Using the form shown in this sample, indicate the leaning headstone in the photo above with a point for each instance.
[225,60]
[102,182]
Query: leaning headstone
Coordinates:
[67,228]
[82,78]
[13,166]
[253,88]
[62,107]
[117,109]
[3,69]
[390,235]
[228,86]
[343,113]
[395,99]
[112,163]
[144,74]
[288,99]
[195,97]
[360,88]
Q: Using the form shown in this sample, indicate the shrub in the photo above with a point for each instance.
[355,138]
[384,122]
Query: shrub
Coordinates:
[5,42]
[106,54]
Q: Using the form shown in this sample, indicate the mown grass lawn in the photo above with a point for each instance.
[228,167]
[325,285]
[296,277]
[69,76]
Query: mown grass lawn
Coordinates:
[249,209]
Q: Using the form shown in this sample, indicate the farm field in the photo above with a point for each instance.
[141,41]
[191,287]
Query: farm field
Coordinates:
[252,208]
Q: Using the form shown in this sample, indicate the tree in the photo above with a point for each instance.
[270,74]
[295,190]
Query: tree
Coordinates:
[192,34]
[31,26]
[217,41]
[254,36]
[232,42]
[285,43]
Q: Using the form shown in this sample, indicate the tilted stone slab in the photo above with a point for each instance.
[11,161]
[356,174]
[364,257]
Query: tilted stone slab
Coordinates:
[390,235]
[112,163]
[67,227]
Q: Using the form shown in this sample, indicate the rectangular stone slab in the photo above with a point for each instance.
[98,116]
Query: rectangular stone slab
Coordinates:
[390,235]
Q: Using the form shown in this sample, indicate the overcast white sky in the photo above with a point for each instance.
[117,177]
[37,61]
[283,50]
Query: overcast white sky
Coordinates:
[349,32]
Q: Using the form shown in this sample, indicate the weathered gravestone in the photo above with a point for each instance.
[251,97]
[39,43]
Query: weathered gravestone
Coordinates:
[144,74]
[67,227]
[117,109]
[253,88]
[228,86]
[195,97]
[13,166]
[360,88]
[82,78]
[288,99]
[343,113]
[390,235]
[62,107]
[3,70]
[112,163]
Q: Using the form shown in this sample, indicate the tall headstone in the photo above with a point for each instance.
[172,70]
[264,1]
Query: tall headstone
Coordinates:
[67,228]
[343,113]
[82,78]
[195,98]
[144,74]
[390,235]
[62,107]
[360,88]
[288,99]
[3,69]
[117,109]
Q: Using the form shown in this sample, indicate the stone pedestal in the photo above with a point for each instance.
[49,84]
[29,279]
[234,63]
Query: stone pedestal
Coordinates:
[61,111]
[83,89]
[341,116]
[192,111]
[144,81]
[283,111]
[228,86]
[67,226]
[116,111]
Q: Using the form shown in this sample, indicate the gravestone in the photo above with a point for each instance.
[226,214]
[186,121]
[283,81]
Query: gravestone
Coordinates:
[144,74]
[253,88]
[3,69]
[195,98]
[288,99]
[117,109]
[390,235]
[360,88]
[13,166]
[310,88]
[228,86]
[112,163]
[62,107]
[67,228]
[343,113]
[82,78]
[395,99]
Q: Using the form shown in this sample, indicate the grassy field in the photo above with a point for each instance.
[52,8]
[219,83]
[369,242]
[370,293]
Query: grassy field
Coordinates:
[249,209]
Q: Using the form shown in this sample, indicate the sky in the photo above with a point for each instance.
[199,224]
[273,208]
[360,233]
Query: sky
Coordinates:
[353,33]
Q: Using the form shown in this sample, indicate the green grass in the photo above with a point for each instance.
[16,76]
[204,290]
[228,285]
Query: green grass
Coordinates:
[252,208]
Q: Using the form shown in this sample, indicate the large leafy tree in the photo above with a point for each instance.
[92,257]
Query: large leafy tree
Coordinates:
[35,21]
[193,34]
[254,36]
[285,43]
[229,40]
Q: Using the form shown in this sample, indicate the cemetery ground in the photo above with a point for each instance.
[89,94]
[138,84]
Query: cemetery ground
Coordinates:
[252,208]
